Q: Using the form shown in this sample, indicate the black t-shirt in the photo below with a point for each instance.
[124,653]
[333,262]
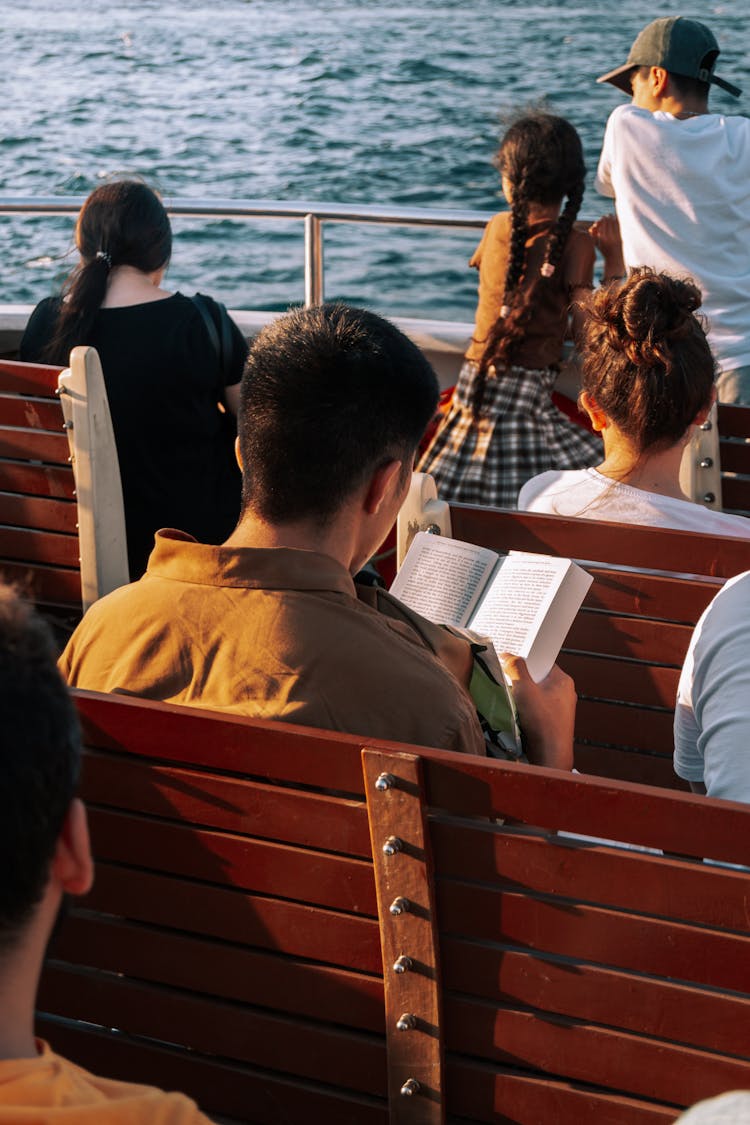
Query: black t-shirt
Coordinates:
[174,445]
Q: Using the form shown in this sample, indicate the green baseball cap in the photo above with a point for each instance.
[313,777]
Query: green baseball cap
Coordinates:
[681,46]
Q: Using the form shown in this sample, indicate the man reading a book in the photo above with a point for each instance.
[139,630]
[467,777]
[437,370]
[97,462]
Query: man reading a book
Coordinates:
[333,404]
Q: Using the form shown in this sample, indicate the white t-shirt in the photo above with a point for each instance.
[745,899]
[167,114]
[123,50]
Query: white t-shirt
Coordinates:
[682,189]
[588,493]
[712,718]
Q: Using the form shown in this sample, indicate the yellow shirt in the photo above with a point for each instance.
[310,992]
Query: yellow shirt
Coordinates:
[274,634]
[49,1090]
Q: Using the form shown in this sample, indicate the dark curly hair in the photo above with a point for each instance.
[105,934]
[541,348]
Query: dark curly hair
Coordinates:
[542,157]
[646,360]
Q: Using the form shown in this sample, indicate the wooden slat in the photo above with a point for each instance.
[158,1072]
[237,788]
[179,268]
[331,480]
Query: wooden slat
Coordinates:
[30,545]
[38,480]
[219,1087]
[227,971]
[648,595]
[34,445]
[500,1096]
[622,544]
[296,929]
[32,413]
[233,804]
[622,725]
[309,1049]
[281,751]
[320,878]
[628,765]
[735,457]
[40,512]
[734,421]
[629,682]
[695,1016]
[685,891]
[637,944]
[657,642]
[683,824]
[640,1066]
[28,378]
[45,585]
[736,494]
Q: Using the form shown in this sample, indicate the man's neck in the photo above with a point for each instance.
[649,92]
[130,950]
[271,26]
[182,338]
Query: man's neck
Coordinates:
[19,976]
[335,539]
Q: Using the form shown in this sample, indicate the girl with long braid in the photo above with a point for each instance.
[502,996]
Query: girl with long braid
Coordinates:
[502,426]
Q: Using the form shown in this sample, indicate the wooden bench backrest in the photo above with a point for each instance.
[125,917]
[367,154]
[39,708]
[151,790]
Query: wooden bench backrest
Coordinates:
[231,946]
[626,646]
[62,533]
[734,453]
[39,537]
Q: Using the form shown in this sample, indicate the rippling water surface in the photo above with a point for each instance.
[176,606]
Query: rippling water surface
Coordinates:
[349,101]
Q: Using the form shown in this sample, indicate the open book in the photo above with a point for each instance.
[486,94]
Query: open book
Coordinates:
[524,603]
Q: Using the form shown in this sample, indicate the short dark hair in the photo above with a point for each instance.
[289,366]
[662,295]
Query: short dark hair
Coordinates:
[646,360]
[39,760]
[683,86]
[329,394]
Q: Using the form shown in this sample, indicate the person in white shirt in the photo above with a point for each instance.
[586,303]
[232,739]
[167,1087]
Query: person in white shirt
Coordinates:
[712,717]
[648,380]
[680,178]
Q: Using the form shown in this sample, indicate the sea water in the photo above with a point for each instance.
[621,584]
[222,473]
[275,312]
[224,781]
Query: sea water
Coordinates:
[348,101]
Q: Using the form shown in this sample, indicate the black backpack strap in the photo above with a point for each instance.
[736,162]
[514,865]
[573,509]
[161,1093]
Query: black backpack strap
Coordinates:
[222,345]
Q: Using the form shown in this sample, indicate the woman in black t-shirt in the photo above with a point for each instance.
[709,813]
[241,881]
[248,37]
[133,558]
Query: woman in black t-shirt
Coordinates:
[168,384]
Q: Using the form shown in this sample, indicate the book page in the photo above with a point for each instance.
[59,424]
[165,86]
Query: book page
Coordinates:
[515,609]
[443,578]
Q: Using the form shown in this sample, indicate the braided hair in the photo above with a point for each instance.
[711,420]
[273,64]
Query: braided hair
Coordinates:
[542,157]
[121,223]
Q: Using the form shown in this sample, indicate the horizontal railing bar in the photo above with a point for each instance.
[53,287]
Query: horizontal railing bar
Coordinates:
[266,209]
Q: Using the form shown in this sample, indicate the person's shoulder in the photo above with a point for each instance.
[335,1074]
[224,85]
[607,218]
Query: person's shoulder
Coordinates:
[535,492]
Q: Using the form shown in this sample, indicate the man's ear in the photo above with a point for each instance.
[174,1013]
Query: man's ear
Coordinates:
[658,81]
[72,864]
[237,453]
[590,406]
[384,483]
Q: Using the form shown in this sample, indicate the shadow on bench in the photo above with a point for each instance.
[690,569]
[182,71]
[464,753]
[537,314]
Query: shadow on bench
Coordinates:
[234,943]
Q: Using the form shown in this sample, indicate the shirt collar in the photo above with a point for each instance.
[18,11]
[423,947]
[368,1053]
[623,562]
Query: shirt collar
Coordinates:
[179,557]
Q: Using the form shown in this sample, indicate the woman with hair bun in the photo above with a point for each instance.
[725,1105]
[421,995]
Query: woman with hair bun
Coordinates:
[648,379]
[169,377]
[534,265]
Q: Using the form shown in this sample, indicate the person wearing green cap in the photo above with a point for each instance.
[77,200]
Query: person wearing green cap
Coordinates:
[680,178]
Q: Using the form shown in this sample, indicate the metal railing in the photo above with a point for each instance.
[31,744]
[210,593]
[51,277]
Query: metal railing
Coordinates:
[313,215]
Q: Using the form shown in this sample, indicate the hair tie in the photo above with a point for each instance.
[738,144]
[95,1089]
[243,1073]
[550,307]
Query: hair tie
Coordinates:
[547,270]
[105,254]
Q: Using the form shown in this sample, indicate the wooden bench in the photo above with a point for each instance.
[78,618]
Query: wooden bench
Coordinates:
[626,646]
[734,455]
[62,529]
[240,939]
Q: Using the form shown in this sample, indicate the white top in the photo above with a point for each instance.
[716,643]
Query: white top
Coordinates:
[588,493]
[683,200]
[712,718]
[727,1109]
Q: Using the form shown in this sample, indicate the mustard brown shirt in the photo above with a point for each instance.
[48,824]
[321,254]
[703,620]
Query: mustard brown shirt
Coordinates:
[270,633]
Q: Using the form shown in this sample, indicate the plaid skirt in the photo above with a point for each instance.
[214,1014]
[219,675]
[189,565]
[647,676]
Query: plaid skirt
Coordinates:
[518,434]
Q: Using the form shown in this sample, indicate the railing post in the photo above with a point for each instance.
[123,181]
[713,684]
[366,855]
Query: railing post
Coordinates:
[313,260]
